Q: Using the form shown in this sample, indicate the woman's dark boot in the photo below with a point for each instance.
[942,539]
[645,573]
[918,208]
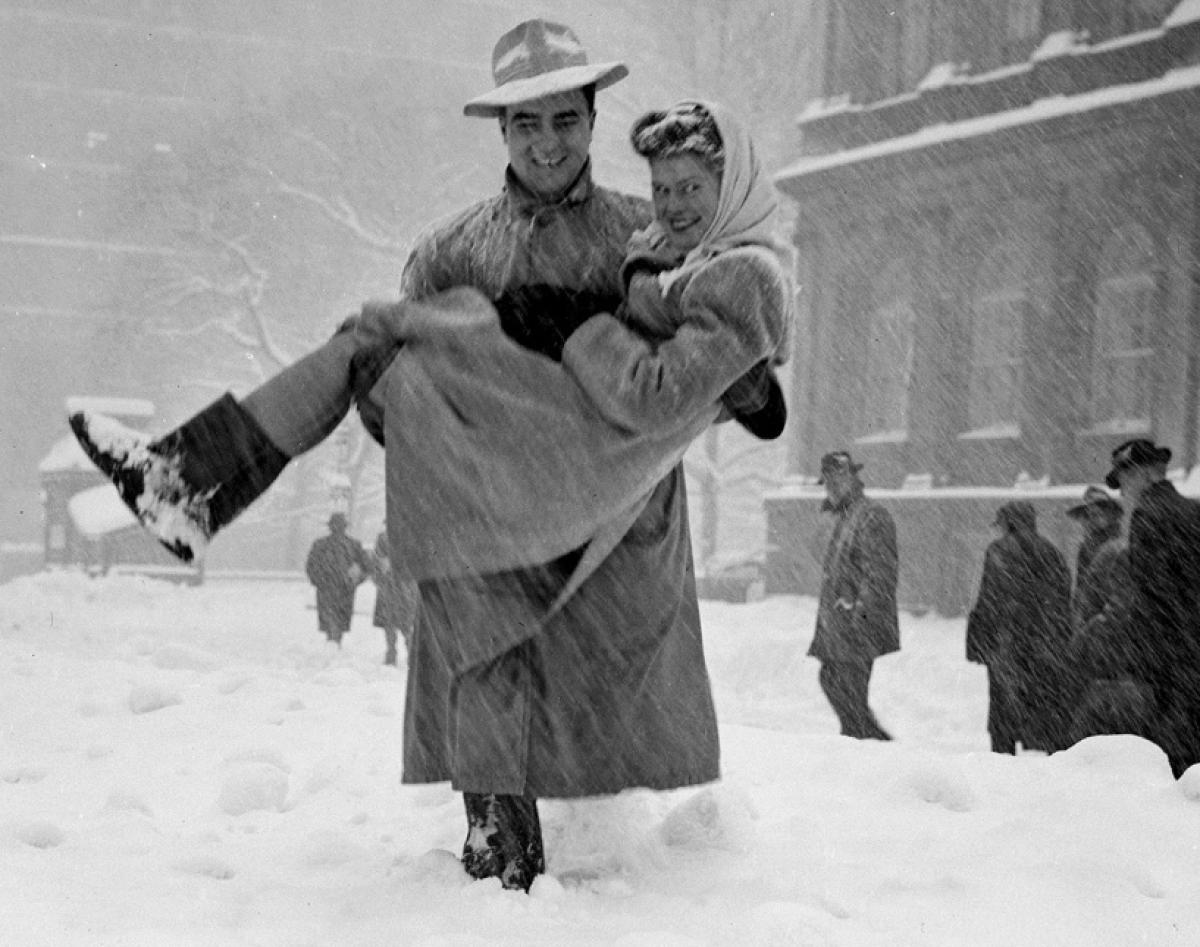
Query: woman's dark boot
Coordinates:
[504,839]
[185,486]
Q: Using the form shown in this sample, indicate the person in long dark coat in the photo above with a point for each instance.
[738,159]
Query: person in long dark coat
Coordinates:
[336,565]
[857,618]
[395,599]
[1164,570]
[1019,628]
[1104,683]
[1100,516]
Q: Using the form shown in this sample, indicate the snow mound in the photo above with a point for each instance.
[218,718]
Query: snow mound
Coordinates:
[251,787]
[716,817]
[147,698]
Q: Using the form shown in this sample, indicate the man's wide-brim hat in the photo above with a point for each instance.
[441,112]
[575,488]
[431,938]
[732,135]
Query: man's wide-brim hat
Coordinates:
[1136,453]
[536,59]
[838,461]
[1095,498]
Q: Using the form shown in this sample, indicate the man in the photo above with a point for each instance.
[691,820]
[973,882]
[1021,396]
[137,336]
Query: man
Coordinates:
[507,701]
[1100,516]
[336,565]
[856,615]
[1164,572]
[1020,629]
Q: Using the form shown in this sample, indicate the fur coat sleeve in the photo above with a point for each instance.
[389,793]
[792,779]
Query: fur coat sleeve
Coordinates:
[731,314]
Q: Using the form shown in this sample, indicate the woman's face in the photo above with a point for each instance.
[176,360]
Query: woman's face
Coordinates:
[685,191]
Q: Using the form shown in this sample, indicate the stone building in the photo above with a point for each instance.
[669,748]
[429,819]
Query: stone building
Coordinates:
[999,229]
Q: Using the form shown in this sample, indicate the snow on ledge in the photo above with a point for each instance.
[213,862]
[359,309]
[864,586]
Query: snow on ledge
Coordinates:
[66,454]
[1057,106]
[118,407]
[1186,12]
[1187,482]
[99,510]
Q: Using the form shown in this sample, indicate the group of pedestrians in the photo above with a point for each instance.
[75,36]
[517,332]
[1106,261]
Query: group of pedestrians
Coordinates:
[1118,650]
[1114,649]
[337,564]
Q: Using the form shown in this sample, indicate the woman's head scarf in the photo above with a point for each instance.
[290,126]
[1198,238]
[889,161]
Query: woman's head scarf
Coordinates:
[747,206]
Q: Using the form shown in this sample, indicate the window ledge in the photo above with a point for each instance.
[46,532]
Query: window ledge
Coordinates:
[1130,426]
[997,432]
[884,437]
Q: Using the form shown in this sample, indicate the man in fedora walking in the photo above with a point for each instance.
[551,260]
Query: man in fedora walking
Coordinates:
[1164,571]
[510,697]
[856,612]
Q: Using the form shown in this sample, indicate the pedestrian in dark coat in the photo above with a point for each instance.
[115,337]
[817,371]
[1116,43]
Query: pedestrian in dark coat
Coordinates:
[395,599]
[1019,628]
[1100,516]
[1164,570]
[857,618]
[1103,681]
[336,565]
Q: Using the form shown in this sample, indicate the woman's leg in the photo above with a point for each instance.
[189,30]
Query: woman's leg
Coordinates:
[303,404]
[185,486]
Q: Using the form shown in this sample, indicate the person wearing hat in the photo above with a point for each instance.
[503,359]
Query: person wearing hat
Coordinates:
[1164,572]
[336,564]
[1019,628]
[857,618]
[482,643]
[1100,516]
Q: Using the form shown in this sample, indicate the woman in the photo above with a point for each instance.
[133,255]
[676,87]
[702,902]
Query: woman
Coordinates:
[498,457]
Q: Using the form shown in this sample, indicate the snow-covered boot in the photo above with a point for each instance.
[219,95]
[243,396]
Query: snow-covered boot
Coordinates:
[186,485]
[504,839]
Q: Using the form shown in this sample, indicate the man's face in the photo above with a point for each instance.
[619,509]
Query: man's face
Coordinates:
[838,484]
[548,141]
[1100,518]
[1133,480]
[686,191]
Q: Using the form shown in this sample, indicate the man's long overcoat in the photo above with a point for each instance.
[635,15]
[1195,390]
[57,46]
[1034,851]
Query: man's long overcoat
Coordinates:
[860,571]
[611,691]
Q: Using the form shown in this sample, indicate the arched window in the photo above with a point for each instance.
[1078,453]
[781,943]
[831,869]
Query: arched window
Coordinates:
[888,362]
[998,307]
[1121,334]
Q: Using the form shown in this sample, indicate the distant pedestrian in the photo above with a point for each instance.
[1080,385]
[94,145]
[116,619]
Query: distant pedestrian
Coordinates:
[1019,628]
[396,599]
[1100,516]
[856,616]
[1164,571]
[336,565]
[1104,684]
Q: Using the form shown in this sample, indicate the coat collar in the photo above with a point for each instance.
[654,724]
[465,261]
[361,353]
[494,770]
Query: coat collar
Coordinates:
[524,203]
[851,498]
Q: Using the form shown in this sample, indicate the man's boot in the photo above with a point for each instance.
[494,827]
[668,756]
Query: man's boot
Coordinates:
[504,839]
[186,485]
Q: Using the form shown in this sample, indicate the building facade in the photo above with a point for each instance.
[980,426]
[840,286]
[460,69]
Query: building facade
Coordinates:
[999,236]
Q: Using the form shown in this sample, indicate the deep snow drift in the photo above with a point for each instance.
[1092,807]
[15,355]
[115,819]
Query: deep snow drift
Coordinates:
[198,766]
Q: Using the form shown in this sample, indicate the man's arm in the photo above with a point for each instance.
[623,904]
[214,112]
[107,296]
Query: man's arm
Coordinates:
[880,562]
[732,317]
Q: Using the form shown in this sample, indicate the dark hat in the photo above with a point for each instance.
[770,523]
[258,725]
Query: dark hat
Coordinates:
[338,519]
[1095,498]
[838,461]
[1017,515]
[539,58]
[1136,453]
